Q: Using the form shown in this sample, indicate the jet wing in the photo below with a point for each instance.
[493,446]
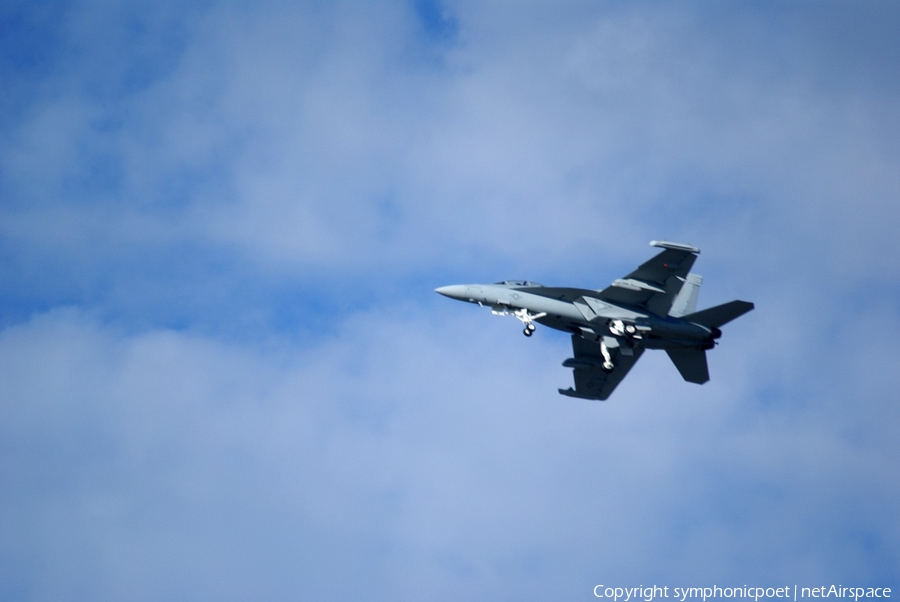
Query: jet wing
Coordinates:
[656,283]
[591,380]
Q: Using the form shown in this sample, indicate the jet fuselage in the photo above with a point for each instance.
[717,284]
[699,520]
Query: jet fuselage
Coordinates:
[579,311]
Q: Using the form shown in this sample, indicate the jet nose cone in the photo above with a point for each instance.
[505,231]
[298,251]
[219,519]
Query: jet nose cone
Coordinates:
[454,291]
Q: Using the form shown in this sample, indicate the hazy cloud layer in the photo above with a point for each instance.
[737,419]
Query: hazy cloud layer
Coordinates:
[223,373]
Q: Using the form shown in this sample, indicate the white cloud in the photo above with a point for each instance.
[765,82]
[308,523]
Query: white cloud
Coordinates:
[416,456]
[316,139]
[414,449]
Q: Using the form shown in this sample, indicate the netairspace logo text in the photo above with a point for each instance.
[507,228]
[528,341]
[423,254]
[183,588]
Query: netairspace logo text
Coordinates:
[682,594]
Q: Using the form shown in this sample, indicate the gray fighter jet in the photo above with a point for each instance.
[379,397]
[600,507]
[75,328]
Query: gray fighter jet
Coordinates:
[653,307]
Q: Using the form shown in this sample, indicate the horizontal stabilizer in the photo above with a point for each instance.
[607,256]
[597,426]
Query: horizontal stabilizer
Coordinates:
[691,363]
[720,314]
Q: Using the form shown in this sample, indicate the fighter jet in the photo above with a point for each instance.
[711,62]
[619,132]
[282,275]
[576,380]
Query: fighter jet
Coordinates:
[653,307]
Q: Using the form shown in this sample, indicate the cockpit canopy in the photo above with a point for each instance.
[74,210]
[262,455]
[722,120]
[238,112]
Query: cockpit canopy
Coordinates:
[518,283]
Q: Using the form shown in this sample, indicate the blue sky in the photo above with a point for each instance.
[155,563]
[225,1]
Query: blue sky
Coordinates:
[223,371]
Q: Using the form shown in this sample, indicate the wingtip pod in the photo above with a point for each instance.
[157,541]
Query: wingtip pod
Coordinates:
[570,392]
[663,244]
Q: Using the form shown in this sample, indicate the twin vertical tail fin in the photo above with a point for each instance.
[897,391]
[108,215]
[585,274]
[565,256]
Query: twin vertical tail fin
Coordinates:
[686,300]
